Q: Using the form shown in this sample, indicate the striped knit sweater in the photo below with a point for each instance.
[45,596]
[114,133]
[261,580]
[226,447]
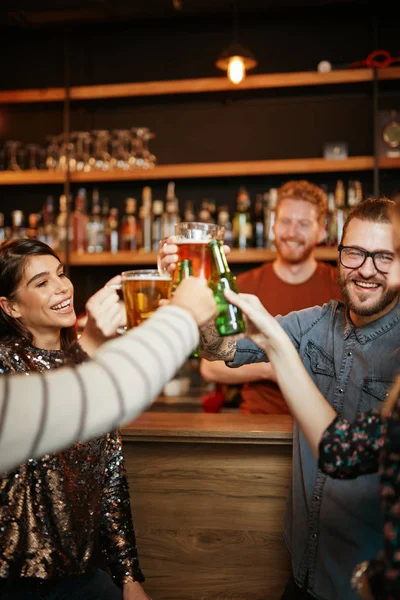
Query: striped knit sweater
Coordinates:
[45,413]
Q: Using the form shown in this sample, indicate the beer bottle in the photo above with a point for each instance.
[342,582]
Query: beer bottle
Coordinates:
[230,319]
[185,270]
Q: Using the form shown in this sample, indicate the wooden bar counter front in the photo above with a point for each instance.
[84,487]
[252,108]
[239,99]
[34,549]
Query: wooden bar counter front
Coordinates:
[208,493]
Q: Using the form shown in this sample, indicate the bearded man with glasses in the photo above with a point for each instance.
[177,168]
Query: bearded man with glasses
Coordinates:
[350,350]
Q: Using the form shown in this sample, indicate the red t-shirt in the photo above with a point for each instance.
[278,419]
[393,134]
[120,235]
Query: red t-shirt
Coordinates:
[280,298]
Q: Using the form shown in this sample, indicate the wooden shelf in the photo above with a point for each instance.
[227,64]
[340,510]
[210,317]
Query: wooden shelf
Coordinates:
[201,170]
[196,86]
[126,258]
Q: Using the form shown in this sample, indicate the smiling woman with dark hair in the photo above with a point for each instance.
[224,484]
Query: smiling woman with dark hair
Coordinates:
[58,512]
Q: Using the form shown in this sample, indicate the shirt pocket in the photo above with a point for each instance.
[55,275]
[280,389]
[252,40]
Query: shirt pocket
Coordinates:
[321,367]
[374,392]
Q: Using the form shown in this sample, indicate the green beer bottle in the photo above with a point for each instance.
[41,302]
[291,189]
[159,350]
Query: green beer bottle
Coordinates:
[185,270]
[230,319]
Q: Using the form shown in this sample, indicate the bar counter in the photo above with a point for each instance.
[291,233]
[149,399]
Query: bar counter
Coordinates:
[208,493]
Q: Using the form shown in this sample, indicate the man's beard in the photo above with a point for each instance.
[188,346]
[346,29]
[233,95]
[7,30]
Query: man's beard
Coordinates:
[292,257]
[385,299]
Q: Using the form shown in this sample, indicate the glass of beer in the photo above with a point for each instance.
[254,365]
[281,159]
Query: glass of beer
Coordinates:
[192,240]
[142,291]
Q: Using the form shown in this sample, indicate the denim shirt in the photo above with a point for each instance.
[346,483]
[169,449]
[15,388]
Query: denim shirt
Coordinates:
[330,524]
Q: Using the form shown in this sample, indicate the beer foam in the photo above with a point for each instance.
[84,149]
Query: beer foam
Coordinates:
[178,242]
[147,278]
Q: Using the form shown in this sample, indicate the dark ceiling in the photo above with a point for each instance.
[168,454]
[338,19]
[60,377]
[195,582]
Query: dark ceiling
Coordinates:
[39,13]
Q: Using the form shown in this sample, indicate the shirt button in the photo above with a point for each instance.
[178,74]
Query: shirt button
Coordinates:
[341,390]
[317,497]
[314,535]
[349,354]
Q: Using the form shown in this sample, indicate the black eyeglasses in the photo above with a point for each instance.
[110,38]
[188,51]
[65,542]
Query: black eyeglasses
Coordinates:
[354,258]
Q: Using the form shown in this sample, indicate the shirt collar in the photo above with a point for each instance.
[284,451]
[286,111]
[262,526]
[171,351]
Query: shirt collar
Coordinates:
[375,328]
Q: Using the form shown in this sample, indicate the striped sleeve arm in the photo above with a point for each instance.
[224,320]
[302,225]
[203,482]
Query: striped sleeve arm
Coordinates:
[45,413]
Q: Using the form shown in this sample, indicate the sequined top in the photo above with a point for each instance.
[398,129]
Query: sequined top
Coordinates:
[367,445]
[58,512]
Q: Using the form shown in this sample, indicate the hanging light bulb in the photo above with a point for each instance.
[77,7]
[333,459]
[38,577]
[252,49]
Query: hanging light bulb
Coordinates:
[236,60]
[236,69]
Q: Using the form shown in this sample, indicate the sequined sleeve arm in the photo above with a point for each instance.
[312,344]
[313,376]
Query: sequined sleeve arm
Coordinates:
[117,532]
[348,450]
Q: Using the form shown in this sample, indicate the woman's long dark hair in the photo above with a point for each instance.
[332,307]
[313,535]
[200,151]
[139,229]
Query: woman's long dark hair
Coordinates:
[14,256]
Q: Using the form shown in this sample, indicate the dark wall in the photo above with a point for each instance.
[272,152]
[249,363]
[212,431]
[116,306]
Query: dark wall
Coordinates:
[264,124]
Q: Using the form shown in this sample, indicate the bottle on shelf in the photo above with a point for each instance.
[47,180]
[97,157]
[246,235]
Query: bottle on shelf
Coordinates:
[229,320]
[270,199]
[157,234]
[95,226]
[146,215]
[259,239]
[340,202]
[205,215]
[32,231]
[48,222]
[171,215]
[2,229]
[224,220]
[129,226]
[242,226]
[358,191]
[188,213]
[212,209]
[63,227]
[331,221]
[105,211]
[79,222]
[17,227]
[111,232]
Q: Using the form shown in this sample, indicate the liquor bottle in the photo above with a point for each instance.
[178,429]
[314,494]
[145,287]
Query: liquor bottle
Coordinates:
[95,226]
[17,228]
[223,220]
[212,209]
[204,212]
[188,213]
[259,222]
[242,227]
[111,232]
[129,226]
[331,221]
[229,320]
[158,209]
[105,212]
[63,227]
[171,215]
[49,229]
[146,218]
[270,199]
[340,201]
[2,230]
[32,231]
[340,196]
[358,191]
[79,222]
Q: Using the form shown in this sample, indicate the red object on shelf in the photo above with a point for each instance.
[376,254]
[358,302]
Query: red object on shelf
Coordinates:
[378,58]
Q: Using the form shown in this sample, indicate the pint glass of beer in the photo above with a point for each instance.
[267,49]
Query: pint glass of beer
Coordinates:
[142,291]
[192,240]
